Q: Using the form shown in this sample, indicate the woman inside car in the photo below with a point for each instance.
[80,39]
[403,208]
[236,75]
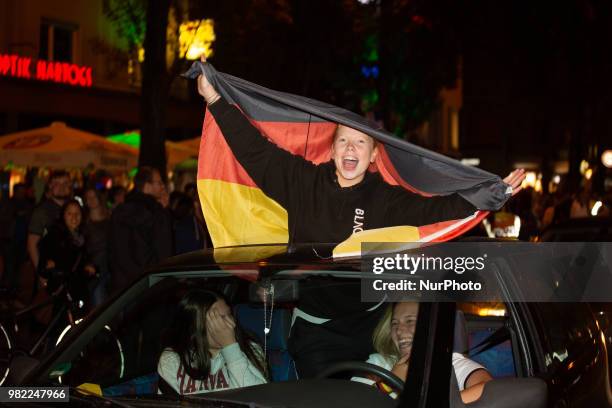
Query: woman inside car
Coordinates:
[392,339]
[207,350]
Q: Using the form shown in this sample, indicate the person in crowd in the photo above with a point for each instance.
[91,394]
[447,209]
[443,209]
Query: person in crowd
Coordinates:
[580,207]
[140,230]
[206,349]
[523,206]
[59,190]
[322,202]
[96,231]
[191,190]
[392,341]
[117,196]
[557,209]
[164,197]
[189,234]
[63,256]
[16,212]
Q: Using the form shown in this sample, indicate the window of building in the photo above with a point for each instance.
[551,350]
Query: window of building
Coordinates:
[57,41]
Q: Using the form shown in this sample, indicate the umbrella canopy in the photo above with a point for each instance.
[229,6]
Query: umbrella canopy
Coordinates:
[191,143]
[60,146]
[177,152]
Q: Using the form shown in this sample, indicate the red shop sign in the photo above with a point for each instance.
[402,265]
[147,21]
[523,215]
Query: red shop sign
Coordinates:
[29,68]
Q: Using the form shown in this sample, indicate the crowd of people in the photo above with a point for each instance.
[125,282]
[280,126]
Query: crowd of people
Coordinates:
[93,241]
[530,213]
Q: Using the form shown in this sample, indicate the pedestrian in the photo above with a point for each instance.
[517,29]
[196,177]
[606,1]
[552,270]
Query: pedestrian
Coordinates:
[16,213]
[117,196]
[189,234]
[59,190]
[96,229]
[141,230]
[63,257]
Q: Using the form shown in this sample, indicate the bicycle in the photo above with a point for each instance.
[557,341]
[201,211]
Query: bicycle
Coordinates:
[9,327]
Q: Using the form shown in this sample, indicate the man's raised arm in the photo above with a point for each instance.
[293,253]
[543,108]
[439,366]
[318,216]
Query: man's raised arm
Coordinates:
[272,168]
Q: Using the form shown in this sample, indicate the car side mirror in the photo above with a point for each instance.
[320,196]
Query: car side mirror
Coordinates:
[510,392]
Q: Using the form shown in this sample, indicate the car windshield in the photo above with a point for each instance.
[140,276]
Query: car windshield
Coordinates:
[119,348]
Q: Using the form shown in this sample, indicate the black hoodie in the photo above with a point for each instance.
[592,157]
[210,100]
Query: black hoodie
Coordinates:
[140,236]
[318,208]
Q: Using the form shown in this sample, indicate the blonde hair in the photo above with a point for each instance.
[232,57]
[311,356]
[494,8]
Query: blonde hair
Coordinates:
[381,338]
[338,126]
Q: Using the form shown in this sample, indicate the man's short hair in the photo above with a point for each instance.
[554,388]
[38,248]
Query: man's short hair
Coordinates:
[144,175]
[338,128]
[58,174]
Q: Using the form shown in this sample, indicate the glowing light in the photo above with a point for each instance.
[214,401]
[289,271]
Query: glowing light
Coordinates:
[491,312]
[556,179]
[588,174]
[596,208]
[530,179]
[131,138]
[50,71]
[475,161]
[606,158]
[196,38]
[538,185]
[584,165]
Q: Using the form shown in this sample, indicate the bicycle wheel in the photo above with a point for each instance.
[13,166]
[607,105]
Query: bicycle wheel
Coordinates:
[106,347]
[6,348]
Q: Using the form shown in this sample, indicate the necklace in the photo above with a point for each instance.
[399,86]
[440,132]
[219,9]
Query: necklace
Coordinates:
[268,318]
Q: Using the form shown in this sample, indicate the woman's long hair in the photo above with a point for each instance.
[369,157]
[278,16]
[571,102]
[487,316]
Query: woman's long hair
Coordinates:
[102,202]
[381,338]
[76,236]
[188,337]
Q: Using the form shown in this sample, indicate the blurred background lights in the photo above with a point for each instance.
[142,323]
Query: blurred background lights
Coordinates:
[596,208]
[606,158]
[196,38]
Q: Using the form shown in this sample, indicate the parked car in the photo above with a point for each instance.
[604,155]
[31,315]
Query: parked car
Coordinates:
[540,354]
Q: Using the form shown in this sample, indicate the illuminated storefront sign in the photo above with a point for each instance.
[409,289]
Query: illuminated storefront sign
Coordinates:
[50,71]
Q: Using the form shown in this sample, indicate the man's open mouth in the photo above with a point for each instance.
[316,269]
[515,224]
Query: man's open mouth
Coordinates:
[349,163]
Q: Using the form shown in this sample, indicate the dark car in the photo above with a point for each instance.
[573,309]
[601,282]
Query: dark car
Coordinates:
[540,354]
[588,229]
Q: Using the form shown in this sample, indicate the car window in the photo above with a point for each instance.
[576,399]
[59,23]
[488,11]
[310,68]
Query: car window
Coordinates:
[128,345]
[483,320]
[568,332]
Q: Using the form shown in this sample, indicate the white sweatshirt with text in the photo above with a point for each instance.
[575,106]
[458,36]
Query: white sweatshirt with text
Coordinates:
[230,368]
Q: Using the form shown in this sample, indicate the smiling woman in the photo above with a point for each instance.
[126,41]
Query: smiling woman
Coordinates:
[393,340]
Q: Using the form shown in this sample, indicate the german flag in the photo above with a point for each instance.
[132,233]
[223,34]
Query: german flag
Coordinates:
[237,212]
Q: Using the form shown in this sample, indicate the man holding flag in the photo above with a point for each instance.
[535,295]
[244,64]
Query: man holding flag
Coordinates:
[330,201]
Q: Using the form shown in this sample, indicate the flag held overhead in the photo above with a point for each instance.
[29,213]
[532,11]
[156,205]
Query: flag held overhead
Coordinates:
[237,212]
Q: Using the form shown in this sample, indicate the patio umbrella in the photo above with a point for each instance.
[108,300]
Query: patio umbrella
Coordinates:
[176,152]
[60,146]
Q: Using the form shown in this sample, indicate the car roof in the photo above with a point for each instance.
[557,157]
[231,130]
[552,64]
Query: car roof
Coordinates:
[255,255]
[262,255]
